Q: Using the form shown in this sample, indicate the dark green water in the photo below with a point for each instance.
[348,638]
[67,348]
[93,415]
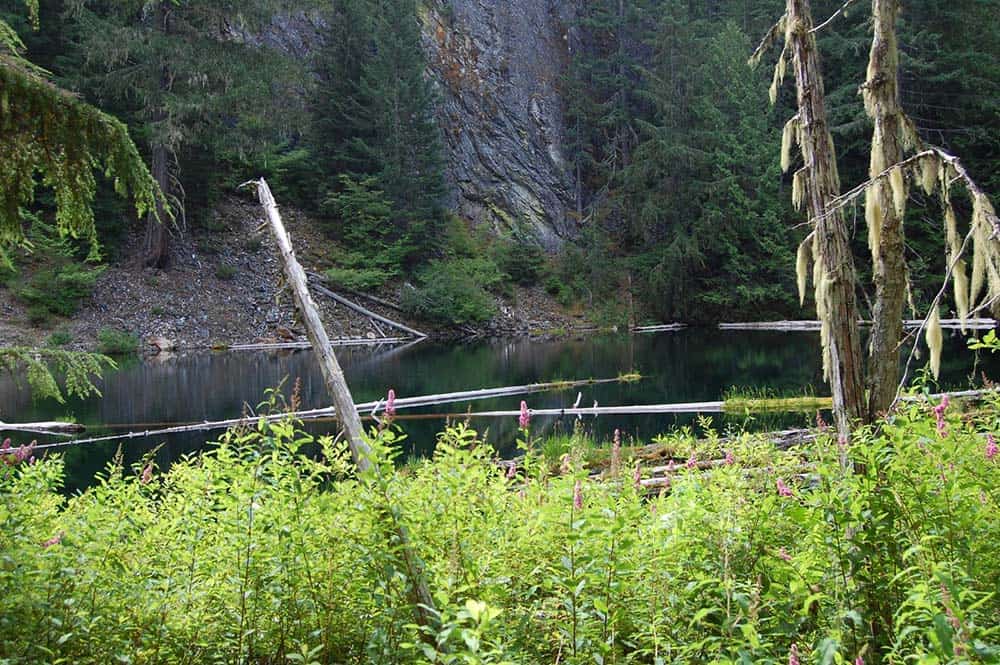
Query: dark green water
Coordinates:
[686,366]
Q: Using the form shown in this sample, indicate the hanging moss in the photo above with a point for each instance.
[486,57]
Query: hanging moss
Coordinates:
[873,217]
[898,184]
[802,266]
[935,340]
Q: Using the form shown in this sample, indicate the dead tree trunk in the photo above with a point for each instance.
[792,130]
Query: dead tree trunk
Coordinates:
[336,385]
[155,247]
[884,208]
[833,273]
[333,375]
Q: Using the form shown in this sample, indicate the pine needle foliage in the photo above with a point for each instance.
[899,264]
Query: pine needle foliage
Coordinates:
[49,131]
[40,367]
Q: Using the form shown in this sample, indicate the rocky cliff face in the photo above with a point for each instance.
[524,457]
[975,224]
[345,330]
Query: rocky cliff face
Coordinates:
[497,65]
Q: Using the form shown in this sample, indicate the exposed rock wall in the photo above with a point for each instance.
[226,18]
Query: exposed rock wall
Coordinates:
[498,64]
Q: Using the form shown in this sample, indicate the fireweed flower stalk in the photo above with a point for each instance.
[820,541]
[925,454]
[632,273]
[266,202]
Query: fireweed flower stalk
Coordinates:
[942,427]
[616,454]
[525,418]
[991,448]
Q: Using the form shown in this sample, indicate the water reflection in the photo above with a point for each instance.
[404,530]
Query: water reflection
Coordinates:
[685,366]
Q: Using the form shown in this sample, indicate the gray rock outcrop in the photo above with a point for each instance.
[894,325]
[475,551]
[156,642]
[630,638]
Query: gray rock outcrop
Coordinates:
[497,65]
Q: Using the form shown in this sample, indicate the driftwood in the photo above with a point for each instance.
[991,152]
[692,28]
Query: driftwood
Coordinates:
[973,324]
[357,294]
[51,427]
[661,328]
[343,341]
[367,312]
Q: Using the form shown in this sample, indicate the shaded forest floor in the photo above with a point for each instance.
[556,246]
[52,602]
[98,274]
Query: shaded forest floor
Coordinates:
[223,287]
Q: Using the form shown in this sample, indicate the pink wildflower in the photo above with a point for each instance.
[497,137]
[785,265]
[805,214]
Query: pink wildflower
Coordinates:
[147,474]
[512,471]
[5,446]
[783,489]
[939,410]
[616,453]
[692,461]
[23,453]
[991,447]
[54,540]
[390,403]
[730,458]
[820,423]
[859,661]
[577,496]
[525,420]
[784,555]
[793,655]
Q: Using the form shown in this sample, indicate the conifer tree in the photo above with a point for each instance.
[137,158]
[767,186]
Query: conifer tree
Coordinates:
[183,70]
[44,129]
[380,130]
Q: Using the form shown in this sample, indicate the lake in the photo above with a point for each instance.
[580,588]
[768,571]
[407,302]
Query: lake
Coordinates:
[697,364]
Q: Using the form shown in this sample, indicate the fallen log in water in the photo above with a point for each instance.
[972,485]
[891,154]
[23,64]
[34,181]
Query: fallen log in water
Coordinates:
[50,427]
[660,328]
[968,324]
[327,412]
[358,294]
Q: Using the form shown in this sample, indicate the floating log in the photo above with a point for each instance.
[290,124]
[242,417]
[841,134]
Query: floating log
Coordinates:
[49,427]
[367,312]
[328,412]
[969,324]
[660,328]
[342,341]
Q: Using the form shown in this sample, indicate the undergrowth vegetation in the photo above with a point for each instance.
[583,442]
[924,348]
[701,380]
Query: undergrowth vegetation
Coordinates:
[270,548]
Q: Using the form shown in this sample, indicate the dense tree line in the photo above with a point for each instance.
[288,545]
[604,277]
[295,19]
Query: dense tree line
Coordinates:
[673,146]
[676,152]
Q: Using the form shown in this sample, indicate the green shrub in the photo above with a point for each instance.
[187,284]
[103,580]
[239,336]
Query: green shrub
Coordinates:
[60,337]
[454,292]
[225,271]
[359,279]
[252,552]
[112,342]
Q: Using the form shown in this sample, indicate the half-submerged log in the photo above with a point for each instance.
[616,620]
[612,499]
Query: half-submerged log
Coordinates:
[49,427]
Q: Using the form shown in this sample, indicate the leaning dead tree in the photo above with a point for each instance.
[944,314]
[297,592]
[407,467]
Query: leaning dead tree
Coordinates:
[886,194]
[346,411]
[815,186]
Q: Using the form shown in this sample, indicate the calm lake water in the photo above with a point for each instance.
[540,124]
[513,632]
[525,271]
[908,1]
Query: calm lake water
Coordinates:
[684,366]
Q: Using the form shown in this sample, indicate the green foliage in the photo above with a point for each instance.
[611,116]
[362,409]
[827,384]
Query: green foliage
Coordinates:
[40,367]
[523,262]
[51,280]
[454,291]
[45,129]
[358,279]
[114,342]
[225,271]
[257,552]
[376,136]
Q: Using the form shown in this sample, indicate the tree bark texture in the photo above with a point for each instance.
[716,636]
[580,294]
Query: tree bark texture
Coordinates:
[837,284]
[881,93]
[156,245]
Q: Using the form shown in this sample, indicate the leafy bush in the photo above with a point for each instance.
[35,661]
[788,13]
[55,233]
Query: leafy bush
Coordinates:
[225,271]
[359,279]
[60,337]
[112,342]
[454,291]
[255,553]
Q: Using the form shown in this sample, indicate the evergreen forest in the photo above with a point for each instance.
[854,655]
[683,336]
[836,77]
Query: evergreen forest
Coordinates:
[759,237]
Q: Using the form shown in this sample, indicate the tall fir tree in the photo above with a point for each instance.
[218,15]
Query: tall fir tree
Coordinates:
[382,146]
